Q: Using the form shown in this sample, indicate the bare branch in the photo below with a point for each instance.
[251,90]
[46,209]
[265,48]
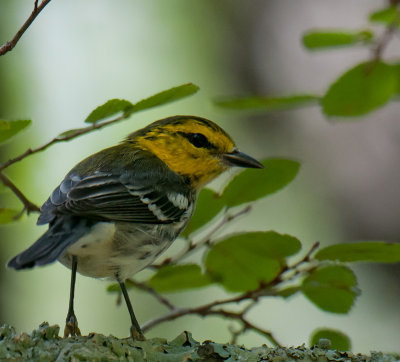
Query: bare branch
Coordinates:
[28,205]
[220,312]
[387,36]
[192,246]
[58,139]
[8,46]
[156,295]
[265,289]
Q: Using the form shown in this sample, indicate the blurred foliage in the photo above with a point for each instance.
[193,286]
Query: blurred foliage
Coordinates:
[316,39]
[338,340]
[10,128]
[260,264]
[361,89]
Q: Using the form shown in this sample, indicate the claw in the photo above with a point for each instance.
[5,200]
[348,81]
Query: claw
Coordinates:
[71,327]
[137,335]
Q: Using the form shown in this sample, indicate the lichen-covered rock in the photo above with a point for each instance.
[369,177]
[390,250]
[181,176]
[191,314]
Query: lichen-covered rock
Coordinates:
[44,344]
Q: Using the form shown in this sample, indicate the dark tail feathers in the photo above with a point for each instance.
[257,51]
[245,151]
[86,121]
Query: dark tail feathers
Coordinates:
[62,233]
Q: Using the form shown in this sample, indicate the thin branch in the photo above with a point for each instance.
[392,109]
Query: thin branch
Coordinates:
[294,270]
[306,257]
[263,332]
[28,205]
[152,292]
[236,333]
[386,36]
[265,289]
[206,308]
[220,312]
[9,45]
[58,139]
[192,246]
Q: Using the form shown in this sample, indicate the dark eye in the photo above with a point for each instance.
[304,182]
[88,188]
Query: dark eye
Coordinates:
[198,140]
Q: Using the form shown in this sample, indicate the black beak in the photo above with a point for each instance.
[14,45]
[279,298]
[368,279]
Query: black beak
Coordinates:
[240,159]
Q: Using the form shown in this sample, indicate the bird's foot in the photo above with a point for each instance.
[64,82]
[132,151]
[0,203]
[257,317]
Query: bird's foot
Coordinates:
[137,335]
[71,326]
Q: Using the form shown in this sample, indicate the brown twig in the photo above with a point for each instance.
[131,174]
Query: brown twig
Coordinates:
[28,205]
[265,289]
[291,271]
[9,45]
[58,139]
[386,36]
[204,311]
[155,294]
[191,246]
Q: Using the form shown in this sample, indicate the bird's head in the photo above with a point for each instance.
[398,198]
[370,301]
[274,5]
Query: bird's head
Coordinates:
[193,147]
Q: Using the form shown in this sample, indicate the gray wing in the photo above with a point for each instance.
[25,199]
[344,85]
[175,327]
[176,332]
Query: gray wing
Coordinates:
[110,197]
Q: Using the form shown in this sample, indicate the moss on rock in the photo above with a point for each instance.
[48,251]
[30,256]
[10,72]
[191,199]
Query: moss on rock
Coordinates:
[44,344]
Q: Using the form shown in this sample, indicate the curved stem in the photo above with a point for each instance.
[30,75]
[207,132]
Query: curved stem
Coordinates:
[10,45]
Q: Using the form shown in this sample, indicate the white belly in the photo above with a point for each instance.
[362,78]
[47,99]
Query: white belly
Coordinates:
[119,250]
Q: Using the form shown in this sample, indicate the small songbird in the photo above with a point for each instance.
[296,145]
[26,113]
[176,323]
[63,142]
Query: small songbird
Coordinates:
[118,209]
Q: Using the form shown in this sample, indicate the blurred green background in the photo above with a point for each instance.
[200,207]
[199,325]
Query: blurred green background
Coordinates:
[77,55]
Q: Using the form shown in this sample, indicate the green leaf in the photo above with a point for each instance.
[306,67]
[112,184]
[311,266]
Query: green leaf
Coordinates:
[386,16]
[208,205]
[269,103]
[167,96]
[243,261]
[331,288]
[316,39]
[9,129]
[114,106]
[288,292]
[172,278]
[3,188]
[8,215]
[361,89]
[253,184]
[378,251]
[108,109]
[339,340]
[114,288]
[69,133]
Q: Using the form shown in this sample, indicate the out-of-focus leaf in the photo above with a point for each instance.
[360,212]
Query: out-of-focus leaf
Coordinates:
[386,16]
[243,261]
[317,39]
[361,89]
[253,184]
[167,96]
[108,109]
[173,278]
[9,129]
[68,133]
[378,251]
[8,215]
[339,340]
[331,288]
[208,205]
[269,103]
[289,291]
[115,288]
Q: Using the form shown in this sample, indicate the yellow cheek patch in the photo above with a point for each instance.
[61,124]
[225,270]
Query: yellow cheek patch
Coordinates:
[199,165]
[215,135]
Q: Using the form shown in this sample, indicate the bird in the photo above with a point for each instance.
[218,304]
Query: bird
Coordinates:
[117,210]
